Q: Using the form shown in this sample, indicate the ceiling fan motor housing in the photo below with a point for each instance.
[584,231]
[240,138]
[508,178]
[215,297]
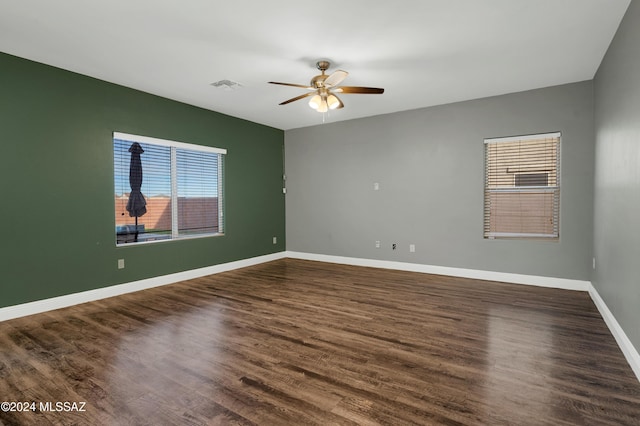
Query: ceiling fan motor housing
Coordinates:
[318,81]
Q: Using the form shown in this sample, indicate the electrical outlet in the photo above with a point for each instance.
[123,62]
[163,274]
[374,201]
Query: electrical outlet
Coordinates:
[376,186]
[120,263]
[275,240]
[394,246]
[377,244]
[412,248]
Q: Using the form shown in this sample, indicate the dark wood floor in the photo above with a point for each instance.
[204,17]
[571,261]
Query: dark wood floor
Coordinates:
[299,342]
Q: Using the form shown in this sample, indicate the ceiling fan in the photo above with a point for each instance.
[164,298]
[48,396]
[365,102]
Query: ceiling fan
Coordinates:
[324,87]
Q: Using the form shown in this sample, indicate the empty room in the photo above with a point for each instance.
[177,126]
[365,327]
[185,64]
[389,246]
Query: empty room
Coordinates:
[334,213]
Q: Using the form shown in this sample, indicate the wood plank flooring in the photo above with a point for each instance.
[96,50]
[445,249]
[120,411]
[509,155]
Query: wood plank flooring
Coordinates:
[295,342]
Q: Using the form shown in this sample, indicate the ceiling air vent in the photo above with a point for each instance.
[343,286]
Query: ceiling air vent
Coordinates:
[226,85]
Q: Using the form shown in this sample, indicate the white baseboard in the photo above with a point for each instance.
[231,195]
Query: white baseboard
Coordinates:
[562,283]
[38,306]
[629,351]
[45,305]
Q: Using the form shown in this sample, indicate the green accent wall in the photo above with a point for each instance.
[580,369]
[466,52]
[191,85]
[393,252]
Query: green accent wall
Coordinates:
[56,169]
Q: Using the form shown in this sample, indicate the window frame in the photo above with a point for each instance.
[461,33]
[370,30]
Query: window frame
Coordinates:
[174,146]
[524,189]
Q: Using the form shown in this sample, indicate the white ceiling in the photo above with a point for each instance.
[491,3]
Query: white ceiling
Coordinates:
[423,52]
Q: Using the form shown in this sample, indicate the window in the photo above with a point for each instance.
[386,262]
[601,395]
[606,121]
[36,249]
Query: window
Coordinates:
[522,187]
[166,190]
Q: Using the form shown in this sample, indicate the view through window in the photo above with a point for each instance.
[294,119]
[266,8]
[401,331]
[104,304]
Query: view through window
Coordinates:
[166,190]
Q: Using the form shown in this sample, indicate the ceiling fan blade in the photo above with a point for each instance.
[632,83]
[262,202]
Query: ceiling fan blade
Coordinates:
[297,98]
[355,89]
[335,78]
[292,85]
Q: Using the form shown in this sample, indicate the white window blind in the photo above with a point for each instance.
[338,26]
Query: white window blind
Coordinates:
[522,187]
[182,186]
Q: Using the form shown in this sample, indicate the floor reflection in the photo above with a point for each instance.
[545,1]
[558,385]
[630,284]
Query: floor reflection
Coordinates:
[520,356]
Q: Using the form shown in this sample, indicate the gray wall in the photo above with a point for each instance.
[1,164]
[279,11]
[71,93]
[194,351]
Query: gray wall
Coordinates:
[617,180]
[430,167]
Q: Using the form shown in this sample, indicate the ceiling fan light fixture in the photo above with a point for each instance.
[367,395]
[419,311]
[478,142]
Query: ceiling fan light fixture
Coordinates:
[315,102]
[324,107]
[333,102]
